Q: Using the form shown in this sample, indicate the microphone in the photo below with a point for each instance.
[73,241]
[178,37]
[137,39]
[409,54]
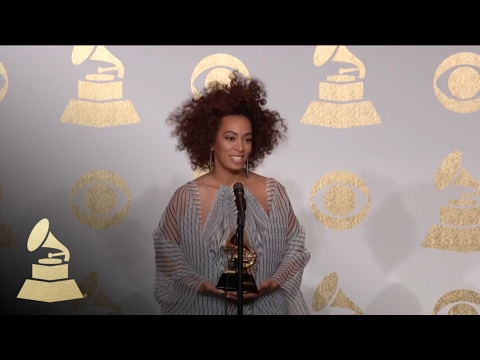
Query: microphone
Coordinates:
[239,197]
[241,206]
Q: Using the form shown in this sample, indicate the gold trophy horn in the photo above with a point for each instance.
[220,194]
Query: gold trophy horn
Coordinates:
[325,296]
[50,282]
[89,286]
[338,54]
[42,237]
[81,53]
[449,173]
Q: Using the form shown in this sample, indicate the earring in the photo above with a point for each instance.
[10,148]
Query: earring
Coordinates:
[246,167]
[210,162]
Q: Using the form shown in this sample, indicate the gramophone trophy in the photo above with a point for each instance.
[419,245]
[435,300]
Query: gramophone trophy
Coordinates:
[229,279]
[100,101]
[459,228]
[340,102]
[49,282]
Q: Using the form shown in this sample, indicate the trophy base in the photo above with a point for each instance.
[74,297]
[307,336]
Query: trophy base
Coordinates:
[229,282]
[340,115]
[100,115]
[50,292]
[461,240]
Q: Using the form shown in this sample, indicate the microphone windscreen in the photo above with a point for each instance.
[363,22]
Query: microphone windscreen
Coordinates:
[238,188]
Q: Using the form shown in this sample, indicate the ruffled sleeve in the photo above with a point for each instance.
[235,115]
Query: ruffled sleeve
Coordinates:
[295,258]
[176,282]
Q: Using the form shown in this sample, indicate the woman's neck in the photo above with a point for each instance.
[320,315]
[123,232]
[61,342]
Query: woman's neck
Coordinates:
[228,178]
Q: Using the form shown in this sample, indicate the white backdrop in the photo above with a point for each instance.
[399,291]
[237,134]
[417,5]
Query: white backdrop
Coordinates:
[382,167]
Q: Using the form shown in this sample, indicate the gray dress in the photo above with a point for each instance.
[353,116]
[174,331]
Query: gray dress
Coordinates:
[186,254]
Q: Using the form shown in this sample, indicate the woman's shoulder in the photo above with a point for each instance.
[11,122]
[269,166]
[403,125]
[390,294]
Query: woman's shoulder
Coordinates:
[192,188]
[273,185]
[183,191]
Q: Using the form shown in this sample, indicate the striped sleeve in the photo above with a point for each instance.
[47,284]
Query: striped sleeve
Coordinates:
[176,282]
[296,257]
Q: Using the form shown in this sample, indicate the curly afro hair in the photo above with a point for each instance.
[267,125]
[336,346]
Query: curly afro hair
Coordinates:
[196,122]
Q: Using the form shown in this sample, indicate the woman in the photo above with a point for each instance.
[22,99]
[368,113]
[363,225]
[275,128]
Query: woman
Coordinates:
[228,131]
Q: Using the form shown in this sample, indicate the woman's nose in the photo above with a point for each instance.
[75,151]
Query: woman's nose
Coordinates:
[239,146]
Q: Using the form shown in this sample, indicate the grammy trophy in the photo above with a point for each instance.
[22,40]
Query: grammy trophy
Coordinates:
[229,279]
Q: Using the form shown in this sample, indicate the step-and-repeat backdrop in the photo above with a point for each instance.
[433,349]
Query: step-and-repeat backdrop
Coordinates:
[382,167]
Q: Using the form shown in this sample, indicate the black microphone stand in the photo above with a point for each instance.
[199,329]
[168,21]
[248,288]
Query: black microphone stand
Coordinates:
[241,224]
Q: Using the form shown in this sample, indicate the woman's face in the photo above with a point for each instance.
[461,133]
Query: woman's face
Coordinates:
[233,144]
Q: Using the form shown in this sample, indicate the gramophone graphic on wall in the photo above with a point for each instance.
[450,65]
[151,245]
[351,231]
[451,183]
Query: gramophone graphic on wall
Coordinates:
[95,297]
[459,230]
[340,101]
[50,282]
[100,100]
[4,85]
[329,294]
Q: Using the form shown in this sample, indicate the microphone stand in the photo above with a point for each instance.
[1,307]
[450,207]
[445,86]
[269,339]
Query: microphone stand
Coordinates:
[241,224]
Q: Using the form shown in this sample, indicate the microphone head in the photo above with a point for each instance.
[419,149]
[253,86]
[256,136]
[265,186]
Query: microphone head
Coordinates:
[238,188]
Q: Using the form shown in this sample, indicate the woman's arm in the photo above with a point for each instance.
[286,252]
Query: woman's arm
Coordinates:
[176,282]
[296,256]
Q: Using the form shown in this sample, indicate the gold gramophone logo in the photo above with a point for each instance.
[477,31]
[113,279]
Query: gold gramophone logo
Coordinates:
[341,104]
[329,294]
[340,200]
[50,282]
[100,100]
[94,296]
[223,65]
[100,199]
[463,300]
[3,78]
[463,83]
[460,221]
[7,237]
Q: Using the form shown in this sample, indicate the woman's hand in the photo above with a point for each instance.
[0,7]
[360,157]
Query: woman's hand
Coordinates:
[267,287]
[207,288]
[263,289]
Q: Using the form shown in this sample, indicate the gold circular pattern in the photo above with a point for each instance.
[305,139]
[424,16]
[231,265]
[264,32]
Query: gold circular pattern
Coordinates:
[100,199]
[341,177]
[462,309]
[94,221]
[458,296]
[340,200]
[220,75]
[464,82]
